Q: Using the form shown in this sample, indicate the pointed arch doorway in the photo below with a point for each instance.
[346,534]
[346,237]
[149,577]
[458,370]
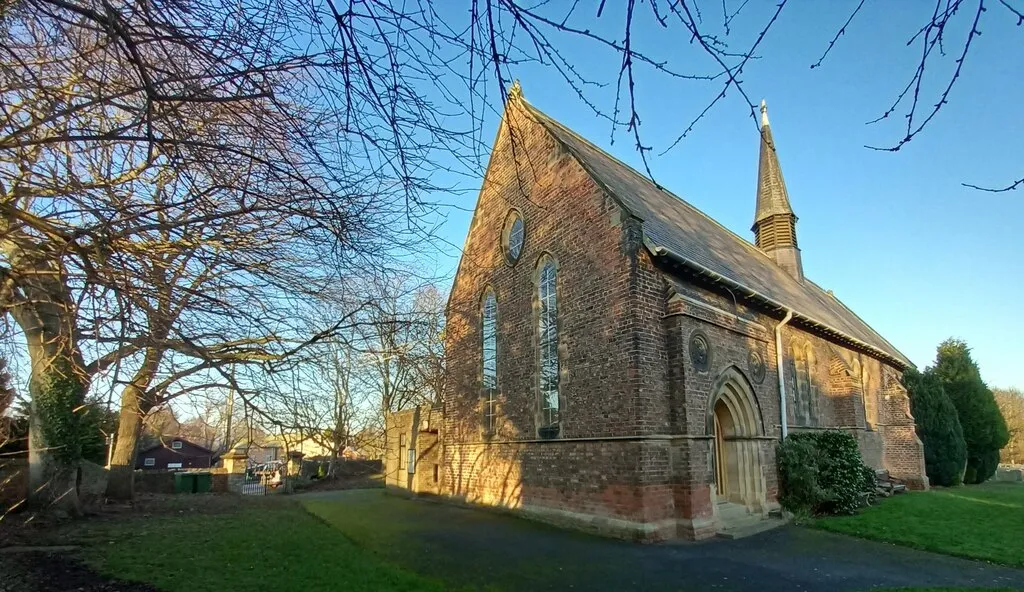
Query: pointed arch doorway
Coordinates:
[735,422]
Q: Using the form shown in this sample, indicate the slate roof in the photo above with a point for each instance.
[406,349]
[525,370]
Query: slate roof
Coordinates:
[166,443]
[676,229]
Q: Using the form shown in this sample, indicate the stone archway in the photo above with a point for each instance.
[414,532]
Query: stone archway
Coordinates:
[734,419]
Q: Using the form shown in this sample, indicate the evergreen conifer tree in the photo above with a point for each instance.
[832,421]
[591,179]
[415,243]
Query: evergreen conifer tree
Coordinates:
[984,428]
[938,426]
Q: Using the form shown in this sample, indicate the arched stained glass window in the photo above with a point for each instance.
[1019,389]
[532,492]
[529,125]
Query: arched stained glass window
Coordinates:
[489,326]
[547,330]
[803,364]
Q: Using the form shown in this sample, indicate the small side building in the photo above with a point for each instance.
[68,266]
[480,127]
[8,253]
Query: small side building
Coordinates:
[175,454]
[412,457]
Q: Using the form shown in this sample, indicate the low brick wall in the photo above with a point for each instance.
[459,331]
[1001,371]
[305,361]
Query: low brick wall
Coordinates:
[154,482]
[344,468]
[219,481]
[354,468]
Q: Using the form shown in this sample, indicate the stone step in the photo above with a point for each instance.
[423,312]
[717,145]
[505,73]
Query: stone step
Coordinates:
[745,528]
[727,512]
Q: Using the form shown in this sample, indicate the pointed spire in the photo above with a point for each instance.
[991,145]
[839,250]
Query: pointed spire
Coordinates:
[772,197]
[774,221]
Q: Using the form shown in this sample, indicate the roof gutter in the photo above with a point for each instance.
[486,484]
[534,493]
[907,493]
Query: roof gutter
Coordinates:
[783,415]
[754,295]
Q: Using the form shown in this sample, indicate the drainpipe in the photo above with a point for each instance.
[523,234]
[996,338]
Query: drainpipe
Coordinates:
[782,379]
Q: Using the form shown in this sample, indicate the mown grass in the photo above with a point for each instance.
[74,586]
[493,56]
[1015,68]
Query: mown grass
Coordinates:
[275,547]
[983,522]
[408,534]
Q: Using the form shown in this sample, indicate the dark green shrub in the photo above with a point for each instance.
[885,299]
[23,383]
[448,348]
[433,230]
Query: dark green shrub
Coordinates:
[822,473]
[938,426]
[797,461]
[982,467]
[984,428]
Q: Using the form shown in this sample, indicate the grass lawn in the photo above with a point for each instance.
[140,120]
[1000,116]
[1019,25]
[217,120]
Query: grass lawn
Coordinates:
[978,522]
[367,540]
[266,545]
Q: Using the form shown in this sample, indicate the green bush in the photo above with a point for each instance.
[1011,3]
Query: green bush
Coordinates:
[985,431]
[797,461]
[938,426]
[822,473]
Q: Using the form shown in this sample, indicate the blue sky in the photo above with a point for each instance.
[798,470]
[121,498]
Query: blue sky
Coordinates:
[894,235]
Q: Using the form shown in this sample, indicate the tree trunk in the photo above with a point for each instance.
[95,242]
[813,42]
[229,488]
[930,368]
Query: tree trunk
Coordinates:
[135,404]
[57,385]
[54,466]
[43,308]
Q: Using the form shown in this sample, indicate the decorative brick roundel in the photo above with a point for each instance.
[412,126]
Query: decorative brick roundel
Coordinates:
[757,368]
[700,351]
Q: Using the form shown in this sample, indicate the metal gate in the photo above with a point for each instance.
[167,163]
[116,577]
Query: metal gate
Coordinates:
[257,482]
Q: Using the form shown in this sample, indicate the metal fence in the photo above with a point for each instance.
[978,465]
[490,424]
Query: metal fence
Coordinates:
[256,482]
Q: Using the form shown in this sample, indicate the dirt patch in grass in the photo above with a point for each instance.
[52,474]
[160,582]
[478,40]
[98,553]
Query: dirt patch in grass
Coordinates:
[29,528]
[53,572]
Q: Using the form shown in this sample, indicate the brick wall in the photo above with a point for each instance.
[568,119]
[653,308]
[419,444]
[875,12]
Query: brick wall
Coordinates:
[600,279]
[613,381]
[902,451]
[634,456]
[734,332]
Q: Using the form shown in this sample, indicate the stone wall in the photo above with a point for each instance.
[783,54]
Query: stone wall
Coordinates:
[413,429]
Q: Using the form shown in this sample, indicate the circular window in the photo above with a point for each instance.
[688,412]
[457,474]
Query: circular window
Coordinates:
[512,236]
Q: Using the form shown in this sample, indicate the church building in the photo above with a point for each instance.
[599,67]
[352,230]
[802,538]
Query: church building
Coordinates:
[620,362]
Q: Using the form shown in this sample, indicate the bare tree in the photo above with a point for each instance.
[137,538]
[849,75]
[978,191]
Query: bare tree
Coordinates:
[172,182]
[395,342]
[180,180]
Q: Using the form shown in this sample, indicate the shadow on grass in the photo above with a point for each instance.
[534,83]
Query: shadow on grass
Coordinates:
[406,532]
[267,545]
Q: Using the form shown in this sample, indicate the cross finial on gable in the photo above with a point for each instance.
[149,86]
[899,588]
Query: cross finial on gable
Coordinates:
[515,92]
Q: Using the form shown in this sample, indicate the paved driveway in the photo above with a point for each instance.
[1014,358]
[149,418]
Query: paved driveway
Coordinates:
[484,549]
